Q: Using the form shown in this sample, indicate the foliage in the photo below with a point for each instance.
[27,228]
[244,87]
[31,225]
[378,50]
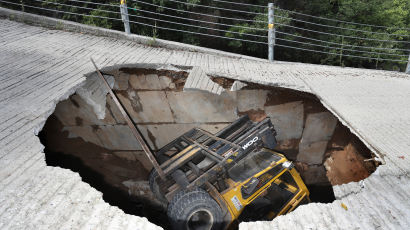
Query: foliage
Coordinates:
[258,27]
[392,14]
[101,18]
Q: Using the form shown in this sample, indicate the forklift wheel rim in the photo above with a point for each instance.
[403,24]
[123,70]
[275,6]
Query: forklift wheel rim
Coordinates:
[198,217]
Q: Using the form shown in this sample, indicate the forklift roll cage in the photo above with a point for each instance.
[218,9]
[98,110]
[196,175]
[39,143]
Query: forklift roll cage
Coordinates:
[224,150]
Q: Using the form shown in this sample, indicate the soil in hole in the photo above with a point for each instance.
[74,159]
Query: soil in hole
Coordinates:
[102,170]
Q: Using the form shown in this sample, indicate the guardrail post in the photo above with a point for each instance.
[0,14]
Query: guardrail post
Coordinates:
[22,5]
[124,16]
[271,32]
[408,66]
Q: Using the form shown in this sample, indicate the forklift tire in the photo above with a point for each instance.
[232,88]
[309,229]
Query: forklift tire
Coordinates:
[152,180]
[178,195]
[194,209]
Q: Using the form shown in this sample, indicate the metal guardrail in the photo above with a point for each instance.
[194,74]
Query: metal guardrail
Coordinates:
[244,29]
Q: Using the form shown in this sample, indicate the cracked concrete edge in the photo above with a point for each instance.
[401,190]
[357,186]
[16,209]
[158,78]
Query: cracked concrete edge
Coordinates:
[344,194]
[153,66]
[51,107]
[249,79]
[343,191]
[377,152]
[60,24]
[98,104]
[198,80]
[36,129]
[326,104]
[92,99]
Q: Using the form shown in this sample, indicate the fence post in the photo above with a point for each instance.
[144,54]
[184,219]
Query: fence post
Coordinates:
[271,32]
[408,66]
[22,5]
[124,16]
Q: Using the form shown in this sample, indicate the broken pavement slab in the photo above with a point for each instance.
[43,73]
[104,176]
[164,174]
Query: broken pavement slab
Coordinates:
[94,93]
[198,80]
[319,128]
[200,106]
[254,99]
[287,119]
[146,106]
[76,112]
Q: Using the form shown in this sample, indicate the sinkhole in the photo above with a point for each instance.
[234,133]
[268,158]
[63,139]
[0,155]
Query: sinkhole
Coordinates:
[87,134]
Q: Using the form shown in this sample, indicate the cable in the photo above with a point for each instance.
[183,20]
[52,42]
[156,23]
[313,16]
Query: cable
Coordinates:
[278,38]
[81,7]
[59,11]
[217,8]
[95,3]
[341,21]
[239,3]
[338,27]
[208,15]
[189,19]
[279,45]
[202,27]
[345,36]
[346,55]
[191,32]
[339,48]
[285,45]
[335,43]
[259,21]
[210,35]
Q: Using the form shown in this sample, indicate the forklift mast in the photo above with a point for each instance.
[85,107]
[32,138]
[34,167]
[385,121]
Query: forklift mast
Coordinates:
[223,150]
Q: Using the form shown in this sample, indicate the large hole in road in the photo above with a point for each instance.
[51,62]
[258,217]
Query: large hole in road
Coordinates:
[87,134]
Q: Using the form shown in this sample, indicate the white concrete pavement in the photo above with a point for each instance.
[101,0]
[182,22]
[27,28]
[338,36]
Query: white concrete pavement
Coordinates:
[39,67]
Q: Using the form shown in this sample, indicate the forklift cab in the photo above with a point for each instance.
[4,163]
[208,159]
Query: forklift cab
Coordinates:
[264,185]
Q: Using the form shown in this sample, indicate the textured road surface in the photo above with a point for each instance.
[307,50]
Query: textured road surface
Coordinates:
[39,67]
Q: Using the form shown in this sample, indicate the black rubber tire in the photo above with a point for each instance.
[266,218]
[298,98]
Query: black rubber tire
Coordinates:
[186,204]
[152,180]
[178,195]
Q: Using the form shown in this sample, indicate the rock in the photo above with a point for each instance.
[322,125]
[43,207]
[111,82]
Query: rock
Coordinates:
[318,131]
[251,99]
[287,119]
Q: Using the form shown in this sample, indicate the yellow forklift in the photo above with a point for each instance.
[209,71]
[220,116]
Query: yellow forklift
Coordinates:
[214,180]
[211,181]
